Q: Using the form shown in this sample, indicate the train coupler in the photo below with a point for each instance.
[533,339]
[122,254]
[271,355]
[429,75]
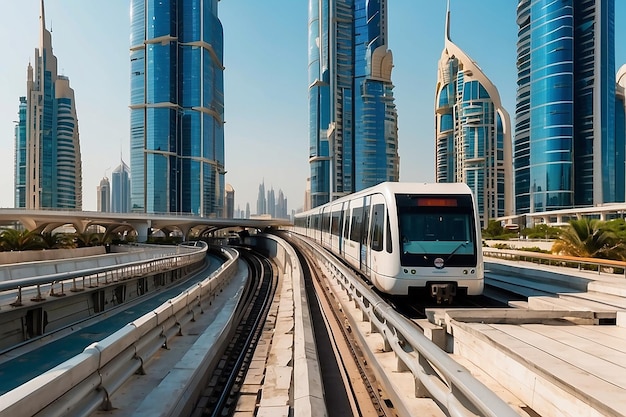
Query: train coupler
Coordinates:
[444,292]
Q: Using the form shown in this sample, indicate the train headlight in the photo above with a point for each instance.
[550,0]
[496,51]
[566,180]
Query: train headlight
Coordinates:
[465,272]
[413,271]
[406,271]
[472,271]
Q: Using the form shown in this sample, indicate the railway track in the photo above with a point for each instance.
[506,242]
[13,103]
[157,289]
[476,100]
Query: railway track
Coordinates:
[220,396]
[350,387]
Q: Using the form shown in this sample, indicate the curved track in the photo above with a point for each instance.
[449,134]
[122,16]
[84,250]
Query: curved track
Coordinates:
[220,396]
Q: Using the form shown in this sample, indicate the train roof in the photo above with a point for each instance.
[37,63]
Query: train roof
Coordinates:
[390,188]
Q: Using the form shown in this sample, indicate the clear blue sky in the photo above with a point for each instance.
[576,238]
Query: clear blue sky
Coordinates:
[266,101]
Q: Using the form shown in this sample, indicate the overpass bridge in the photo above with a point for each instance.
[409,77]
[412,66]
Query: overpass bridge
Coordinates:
[142,224]
[547,356]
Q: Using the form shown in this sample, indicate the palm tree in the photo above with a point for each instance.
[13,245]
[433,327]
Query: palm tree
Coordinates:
[19,240]
[58,240]
[87,239]
[589,238]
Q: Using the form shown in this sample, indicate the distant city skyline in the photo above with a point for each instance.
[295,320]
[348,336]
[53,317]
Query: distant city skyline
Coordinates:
[271,204]
[263,122]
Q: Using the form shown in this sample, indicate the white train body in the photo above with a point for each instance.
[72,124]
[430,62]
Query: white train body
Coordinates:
[404,236]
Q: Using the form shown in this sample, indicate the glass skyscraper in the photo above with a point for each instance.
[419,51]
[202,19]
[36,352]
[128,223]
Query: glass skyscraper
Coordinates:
[104,196]
[48,170]
[120,189]
[177,107]
[353,138]
[472,132]
[566,153]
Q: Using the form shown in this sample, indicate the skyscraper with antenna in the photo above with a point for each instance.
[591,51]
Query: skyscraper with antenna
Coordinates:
[48,172]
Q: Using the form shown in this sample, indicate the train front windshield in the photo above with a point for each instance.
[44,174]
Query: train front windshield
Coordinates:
[434,227]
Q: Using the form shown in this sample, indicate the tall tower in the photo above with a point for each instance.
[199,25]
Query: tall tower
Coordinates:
[20,155]
[48,170]
[353,135]
[104,195]
[472,132]
[565,152]
[230,202]
[261,202]
[120,189]
[177,107]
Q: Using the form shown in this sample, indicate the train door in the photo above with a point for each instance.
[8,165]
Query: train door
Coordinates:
[340,227]
[347,216]
[364,241]
[354,233]
[375,234]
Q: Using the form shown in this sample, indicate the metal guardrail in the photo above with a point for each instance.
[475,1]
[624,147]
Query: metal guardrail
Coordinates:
[588,264]
[84,383]
[436,375]
[83,279]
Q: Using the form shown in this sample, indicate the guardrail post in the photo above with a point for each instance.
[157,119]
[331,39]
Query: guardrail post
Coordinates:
[75,288]
[38,297]
[18,299]
[53,294]
[420,388]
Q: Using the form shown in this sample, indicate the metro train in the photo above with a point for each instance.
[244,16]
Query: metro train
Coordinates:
[405,237]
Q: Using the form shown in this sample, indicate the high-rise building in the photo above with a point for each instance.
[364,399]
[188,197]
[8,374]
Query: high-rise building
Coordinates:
[281,206]
[472,132]
[48,170]
[565,149]
[120,189]
[620,130]
[353,134]
[104,195]
[229,211]
[20,155]
[271,203]
[261,202]
[177,107]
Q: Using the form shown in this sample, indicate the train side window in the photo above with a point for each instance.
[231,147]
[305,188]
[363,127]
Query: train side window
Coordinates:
[326,221]
[366,222]
[378,224]
[336,221]
[356,224]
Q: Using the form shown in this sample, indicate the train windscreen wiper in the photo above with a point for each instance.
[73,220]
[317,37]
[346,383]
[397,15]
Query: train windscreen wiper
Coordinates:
[460,245]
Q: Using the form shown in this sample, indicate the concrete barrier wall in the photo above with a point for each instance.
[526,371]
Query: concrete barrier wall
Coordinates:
[48,255]
[101,364]
[81,262]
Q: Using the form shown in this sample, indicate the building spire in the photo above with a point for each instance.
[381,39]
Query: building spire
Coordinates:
[42,16]
[447,21]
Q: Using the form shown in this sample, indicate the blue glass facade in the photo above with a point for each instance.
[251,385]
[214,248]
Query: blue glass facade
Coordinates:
[48,171]
[20,155]
[177,107]
[120,189]
[565,151]
[472,133]
[352,115]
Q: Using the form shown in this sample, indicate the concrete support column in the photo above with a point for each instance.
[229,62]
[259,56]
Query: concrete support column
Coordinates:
[142,230]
